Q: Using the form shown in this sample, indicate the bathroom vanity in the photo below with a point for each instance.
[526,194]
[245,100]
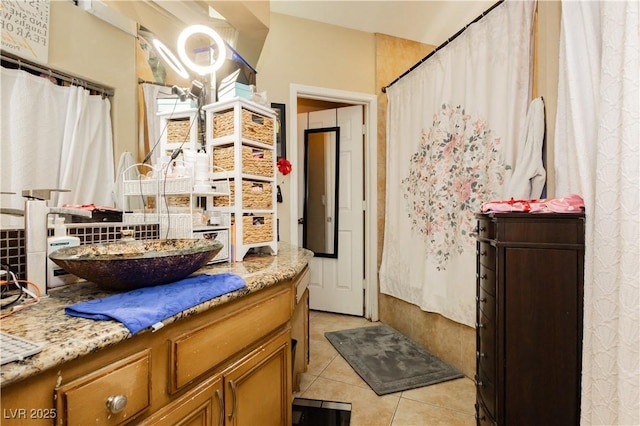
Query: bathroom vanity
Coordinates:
[227,361]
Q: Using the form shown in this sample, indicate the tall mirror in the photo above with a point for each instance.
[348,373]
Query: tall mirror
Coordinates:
[321,166]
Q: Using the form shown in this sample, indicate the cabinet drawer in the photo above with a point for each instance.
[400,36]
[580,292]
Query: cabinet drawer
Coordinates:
[87,400]
[543,229]
[201,349]
[486,229]
[486,361]
[486,392]
[487,255]
[487,304]
[487,280]
[486,347]
[221,235]
[486,330]
[483,417]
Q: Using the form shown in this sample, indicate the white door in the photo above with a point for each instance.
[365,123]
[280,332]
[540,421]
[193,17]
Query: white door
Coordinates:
[337,285]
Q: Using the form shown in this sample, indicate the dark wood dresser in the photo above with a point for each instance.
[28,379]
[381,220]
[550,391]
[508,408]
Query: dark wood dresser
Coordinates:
[529,318]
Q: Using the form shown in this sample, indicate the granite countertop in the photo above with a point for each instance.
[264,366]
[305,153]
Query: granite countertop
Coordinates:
[68,337]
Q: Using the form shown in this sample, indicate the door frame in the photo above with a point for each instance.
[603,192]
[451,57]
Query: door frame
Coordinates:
[370,103]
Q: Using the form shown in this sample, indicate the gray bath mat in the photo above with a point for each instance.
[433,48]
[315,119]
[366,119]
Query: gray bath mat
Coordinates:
[389,361]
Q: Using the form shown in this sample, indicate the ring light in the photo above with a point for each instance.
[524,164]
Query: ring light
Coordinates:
[182,49]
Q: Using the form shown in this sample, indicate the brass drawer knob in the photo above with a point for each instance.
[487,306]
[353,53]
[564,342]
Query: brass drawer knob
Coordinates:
[116,403]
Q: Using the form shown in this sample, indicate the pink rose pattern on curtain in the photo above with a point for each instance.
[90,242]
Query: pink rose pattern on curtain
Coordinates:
[456,168]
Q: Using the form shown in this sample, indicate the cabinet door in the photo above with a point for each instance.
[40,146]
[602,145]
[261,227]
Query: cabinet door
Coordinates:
[202,406]
[258,388]
[542,346]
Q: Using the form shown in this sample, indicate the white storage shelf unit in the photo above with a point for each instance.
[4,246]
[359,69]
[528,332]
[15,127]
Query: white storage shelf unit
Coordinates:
[178,129]
[173,202]
[240,137]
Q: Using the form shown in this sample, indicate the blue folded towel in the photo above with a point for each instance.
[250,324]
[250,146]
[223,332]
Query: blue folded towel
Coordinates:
[142,308]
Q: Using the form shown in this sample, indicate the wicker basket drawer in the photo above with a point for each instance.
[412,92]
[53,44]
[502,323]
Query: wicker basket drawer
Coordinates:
[255,161]
[255,127]
[178,130]
[257,229]
[255,195]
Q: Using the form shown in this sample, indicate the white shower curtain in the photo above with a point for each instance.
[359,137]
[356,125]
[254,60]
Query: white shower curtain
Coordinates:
[151,93]
[53,137]
[453,125]
[597,152]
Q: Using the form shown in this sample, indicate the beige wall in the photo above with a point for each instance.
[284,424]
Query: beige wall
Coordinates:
[548,36]
[311,53]
[304,52]
[84,46]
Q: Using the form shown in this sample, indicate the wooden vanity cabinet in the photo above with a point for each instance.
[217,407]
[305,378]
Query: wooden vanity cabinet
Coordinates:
[529,305]
[230,365]
[253,390]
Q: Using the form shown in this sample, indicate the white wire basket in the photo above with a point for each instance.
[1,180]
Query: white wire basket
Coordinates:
[143,184]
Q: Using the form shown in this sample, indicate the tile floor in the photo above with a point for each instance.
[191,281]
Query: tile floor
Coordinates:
[329,377]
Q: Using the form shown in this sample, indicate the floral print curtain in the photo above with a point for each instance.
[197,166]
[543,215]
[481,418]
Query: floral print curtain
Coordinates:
[457,163]
[453,129]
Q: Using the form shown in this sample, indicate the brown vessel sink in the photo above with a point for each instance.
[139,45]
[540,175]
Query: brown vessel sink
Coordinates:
[131,264]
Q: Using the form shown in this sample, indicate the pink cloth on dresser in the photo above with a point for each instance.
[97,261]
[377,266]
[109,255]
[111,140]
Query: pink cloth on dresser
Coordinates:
[570,204]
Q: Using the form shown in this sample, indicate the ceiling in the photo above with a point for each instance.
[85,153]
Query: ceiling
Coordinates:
[247,21]
[426,21]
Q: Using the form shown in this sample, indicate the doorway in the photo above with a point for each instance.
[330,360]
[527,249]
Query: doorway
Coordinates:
[369,207]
